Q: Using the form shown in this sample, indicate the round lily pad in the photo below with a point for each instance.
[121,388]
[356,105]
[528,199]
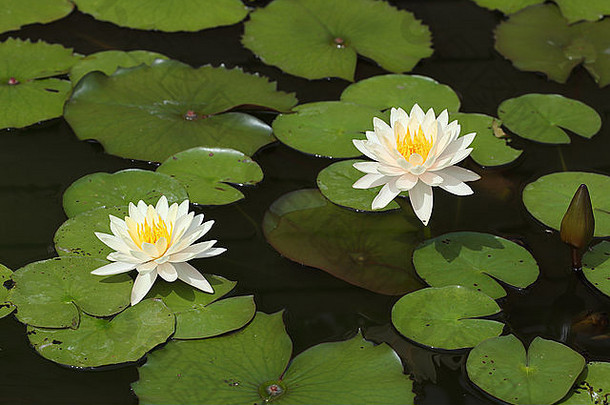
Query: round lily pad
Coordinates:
[317,38]
[425,317]
[16,14]
[49,293]
[335,183]
[108,62]
[249,367]
[594,389]
[596,266]
[543,375]
[100,342]
[386,91]
[161,15]
[169,107]
[369,250]
[28,92]
[326,128]
[205,172]
[475,260]
[548,198]
[119,189]
[5,306]
[200,314]
[488,149]
[538,117]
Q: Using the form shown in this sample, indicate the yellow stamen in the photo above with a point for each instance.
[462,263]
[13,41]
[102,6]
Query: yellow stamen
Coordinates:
[408,144]
[150,231]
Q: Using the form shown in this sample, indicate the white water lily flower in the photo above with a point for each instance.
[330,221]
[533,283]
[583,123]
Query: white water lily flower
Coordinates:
[414,153]
[158,241]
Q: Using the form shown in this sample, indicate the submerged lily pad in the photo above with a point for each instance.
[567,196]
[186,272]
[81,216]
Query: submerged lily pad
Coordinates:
[186,15]
[28,92]
[5,306]
[538,117]
[200,314]
[596,266]
[16,14]
[487,149]
[50,293]
[326,128]
[445,318]
[548,198]
[594,389]
[369,250]
[99,342]
[317,38]
[475,260]
[170,107]
[108,62]
[543,375]
[119,189]
[205,172]
[383,92]
[252,366]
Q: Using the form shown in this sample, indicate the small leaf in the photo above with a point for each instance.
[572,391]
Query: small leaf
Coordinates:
[16,14]
[596,267]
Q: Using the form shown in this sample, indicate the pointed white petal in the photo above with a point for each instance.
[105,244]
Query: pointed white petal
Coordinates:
[385,196]
[190,275]
[114,268]
[142,285]
[421,201]
[371,180]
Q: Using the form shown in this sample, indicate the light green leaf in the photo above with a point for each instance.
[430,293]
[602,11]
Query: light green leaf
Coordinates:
[16,14]
[317,38]
[5,306]
[543,375]
[425,317]
[594,386]
[205,172]
[596,267]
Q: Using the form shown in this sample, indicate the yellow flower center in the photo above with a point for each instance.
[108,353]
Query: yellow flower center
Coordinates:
[150,231]
[408,144]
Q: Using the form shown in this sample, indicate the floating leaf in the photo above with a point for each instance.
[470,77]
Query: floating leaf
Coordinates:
[335,183]
[383,92]
[16,14]
[170,107]
[186,15]
[28,92]
[425,317]
[538,117]
[49,293]
[501,367]
[475,260]
[325,128]
[119,189]
[5,306]
[595,387]
[487,149]
[205,172]
[507,7]
[596,266]
[249,367]
[369,250]
[108,62]
[317,38]
[99,342]
[199,314]
[548,198]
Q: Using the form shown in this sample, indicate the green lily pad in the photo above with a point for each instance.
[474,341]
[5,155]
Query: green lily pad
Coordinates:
[548,198]
[594,388]
[5,307]
[335,183]
[487,149]
[596,266]
[538,117]
[28,92]
[543,375]
[186,15]
[383,92]
[119,189]
[317,38]
[49,293]
[201,315]
[426,317]
[475,260]
[372,250]
[205,172]
[326,128]
[16,14]
[100,342]
[507,7]
[249,367]
[170,107]
[108,62]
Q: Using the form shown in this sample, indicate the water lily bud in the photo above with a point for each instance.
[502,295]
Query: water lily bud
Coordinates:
[578,224]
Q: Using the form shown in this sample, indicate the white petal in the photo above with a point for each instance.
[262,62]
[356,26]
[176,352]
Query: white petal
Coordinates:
[385,196]
[421,201]
[460,173]
[366,167]
[371,180]
[406,182]
[162,207]
[431,178]
[167,272]
[190,275]
[142,285]
[114,268]
[112,242]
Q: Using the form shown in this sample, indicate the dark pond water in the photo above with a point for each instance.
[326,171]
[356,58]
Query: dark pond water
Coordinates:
[38,163]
